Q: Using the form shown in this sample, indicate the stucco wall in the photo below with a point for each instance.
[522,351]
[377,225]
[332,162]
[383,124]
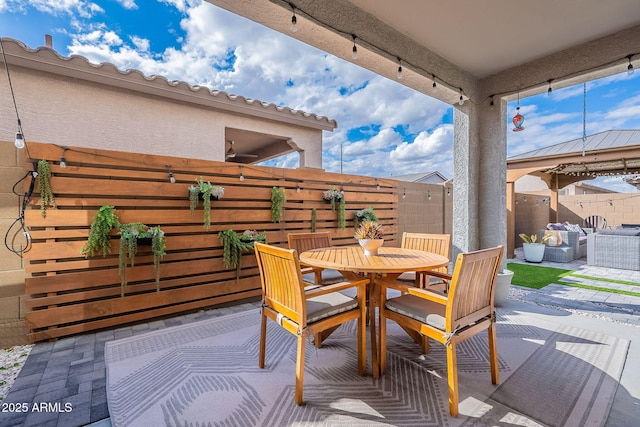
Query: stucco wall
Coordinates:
[66,111]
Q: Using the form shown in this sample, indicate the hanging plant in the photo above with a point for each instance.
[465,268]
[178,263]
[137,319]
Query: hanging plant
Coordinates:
[278,199]
[194,196]
[364,214]
[99,235]
[341,213]
[158,247]
[233,245]
[43,181]
[314,215]
[206,191]
[130,236]
[333,196]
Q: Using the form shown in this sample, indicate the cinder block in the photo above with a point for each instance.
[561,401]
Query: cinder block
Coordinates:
[8,177]
[13,333]
[12,283]
[8,260]
[8,154]
[9,308]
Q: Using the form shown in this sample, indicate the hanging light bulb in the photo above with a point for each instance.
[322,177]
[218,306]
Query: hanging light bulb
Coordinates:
[354,50]
[404,193]
[630,69]
[294,20]
[435,85]
[241,175]
[63,160]
[172,179]
[298,189]
[399,69]
[491,103]
[19,142]
[461,101]
[550,90]
[377,185]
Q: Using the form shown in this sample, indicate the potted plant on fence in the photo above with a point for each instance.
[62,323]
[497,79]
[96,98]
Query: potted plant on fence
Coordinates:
[364,214]
[533,250]
[233,245]
[43,181]
[369,235]
[333,196]
[99,235]
[131,236]
[278,199]
[207,192]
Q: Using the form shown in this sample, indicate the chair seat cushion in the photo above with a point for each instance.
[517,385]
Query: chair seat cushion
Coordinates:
[425,311]
[324,306]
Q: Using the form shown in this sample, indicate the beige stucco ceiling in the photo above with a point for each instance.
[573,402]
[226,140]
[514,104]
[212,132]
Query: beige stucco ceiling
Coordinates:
[489,36]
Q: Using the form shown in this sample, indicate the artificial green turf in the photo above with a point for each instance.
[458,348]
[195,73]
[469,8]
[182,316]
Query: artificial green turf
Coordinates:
[535,276]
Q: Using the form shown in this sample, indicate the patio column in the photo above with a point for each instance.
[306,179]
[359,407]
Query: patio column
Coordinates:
[492,190]
[466,179]
[479,185]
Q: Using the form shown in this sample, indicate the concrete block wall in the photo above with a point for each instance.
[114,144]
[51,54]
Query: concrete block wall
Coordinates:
[424,208]
[12,275]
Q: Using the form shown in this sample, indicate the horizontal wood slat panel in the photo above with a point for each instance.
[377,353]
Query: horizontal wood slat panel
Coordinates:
[69,294]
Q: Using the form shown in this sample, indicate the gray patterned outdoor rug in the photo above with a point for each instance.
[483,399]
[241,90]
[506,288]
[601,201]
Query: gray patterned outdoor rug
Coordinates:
[206,374]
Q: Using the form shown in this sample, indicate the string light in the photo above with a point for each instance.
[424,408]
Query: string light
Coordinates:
[19,142]
[241,175]
[461,101]
[298,189]
[434,85]
[491,103]
[630,69]
[428,195]
[294,20]
[354,50]
[63,160]
[172,179]
[550,90]
[399,69]
[377,185]
[404,193]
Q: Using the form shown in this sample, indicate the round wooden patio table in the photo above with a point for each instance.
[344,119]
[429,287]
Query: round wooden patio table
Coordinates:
[389,263]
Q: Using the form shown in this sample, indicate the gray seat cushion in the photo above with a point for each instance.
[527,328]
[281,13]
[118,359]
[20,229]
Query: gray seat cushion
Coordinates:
[422,310]
[324,306]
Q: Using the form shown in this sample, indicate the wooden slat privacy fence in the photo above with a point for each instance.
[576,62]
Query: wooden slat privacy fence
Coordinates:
[69,294]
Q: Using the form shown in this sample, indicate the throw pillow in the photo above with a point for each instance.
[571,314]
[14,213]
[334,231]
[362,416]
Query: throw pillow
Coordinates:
[555,237]
[573,227]
[555,226]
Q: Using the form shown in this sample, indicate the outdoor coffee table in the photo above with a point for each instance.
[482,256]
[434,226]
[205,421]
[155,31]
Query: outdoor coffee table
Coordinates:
[351,262]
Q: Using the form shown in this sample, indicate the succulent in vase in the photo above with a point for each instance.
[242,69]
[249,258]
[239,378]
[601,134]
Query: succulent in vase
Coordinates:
[369,229]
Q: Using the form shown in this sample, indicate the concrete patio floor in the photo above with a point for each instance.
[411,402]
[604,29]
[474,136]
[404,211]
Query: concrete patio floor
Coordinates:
[73,369]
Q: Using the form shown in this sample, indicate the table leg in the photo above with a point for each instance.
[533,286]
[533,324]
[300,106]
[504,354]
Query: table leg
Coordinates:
[375,345]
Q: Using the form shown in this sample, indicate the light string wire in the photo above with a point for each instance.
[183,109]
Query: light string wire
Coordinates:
[395,58]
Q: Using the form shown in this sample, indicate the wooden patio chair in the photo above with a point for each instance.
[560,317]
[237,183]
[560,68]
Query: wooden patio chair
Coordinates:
[436,243]
[305,314]
[302,242]
[595,222]
[448,319]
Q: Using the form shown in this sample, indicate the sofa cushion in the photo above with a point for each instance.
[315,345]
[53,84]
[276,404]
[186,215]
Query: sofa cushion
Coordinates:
[619,231]
[574,227]
[556,226]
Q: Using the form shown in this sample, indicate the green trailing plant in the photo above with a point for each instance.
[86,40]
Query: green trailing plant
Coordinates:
[130,235]
[341,214]
[207,191]
[278,200]
[333,196]
[364,214]
[233,245]
[99,235]
[194,197]
[314,217]
[43,181]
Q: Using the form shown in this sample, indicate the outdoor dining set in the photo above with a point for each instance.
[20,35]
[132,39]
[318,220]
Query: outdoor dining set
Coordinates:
[424,300]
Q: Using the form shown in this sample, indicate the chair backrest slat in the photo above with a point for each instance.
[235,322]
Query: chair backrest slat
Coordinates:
[302,242]
[472,286]
[281,280]
[435,243]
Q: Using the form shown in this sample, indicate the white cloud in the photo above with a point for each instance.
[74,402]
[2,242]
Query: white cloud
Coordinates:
[128,4]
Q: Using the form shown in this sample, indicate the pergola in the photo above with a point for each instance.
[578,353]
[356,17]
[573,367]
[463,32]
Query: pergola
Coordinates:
[479,55]
[614,152]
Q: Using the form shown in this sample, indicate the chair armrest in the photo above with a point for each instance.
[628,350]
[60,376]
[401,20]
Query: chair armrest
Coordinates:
[444,276]
[409,289]
[328,289]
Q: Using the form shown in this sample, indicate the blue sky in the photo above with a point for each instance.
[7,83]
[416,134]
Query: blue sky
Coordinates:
[384,128]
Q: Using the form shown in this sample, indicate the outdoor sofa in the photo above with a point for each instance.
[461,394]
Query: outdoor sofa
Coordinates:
[574,242]
[614,248]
